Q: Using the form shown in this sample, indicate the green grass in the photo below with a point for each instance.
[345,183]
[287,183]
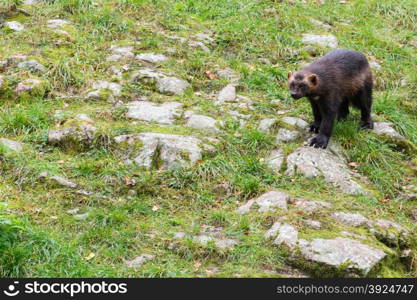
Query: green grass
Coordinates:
[126,220]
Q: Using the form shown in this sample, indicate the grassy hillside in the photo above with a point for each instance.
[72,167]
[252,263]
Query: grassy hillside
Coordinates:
[48,229]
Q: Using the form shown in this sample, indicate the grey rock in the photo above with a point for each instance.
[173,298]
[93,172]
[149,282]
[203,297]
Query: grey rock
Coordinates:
[320,40]
[84,133]
[32,65]
[203,123]
[171,85]
[375,65]
[275,160]
[285,234]
[354,235]
[124,51]
[270,11]
[180,235]
[313,224]
[60,181]
[297,122]
[198,44]
[11,145]
[187,114]
[285,135]
[266,125]
[222,243]
[210,234]
[386,129]
[353,255]
[165,113]
[310,206]
[146,74]
[27,85]
[81,217]
[84,117]
[168,150]
[152,57]
[229,74]
[386,224]
[139,261]
[104,87]
[14,25]
[58,23]
[205,38]
[321,24]
[313,162]
[351,219]
[30,2]
[227,94]
[268,201]
[119,53]
[1,82]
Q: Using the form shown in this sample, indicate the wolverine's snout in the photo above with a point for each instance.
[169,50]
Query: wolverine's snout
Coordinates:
[296,96]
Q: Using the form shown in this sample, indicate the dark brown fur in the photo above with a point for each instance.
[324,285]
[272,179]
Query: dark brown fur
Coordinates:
[331,83]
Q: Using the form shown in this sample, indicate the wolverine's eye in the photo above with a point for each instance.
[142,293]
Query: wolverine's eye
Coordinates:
[292,85]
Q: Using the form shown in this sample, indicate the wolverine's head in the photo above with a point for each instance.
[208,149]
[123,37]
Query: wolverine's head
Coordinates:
[302,83]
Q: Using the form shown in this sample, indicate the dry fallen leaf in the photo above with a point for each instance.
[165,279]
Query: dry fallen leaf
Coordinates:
[385,200]
[90,256]
[210,75]
[129,181]
[155,208]
[353,164]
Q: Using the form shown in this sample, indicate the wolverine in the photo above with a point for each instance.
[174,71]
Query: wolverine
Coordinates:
[331,84]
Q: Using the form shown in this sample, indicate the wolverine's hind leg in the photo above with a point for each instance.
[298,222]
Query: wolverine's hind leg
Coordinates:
[363,100]
[343,110]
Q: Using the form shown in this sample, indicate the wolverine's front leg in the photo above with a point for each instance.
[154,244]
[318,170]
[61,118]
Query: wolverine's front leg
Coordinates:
[315,126]
[328,112]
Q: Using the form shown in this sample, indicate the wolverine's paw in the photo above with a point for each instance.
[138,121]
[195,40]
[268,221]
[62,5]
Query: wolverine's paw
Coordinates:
[314,128]
[369,124]
[319,141]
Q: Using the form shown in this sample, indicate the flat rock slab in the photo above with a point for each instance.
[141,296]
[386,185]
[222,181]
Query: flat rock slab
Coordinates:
[285,135]
[284,233]
[139,261]
[57,23]
[228,74]
[351,219]
[151,57]
[164,150]
[340,254]
[101,87]
[266,202]
[58,180]
[203,123]
[14,25]
[72,136]
[275,160]
[310,206]
[165,113]
[320,40]
[386,129]
[11,145]
[297,122]
[351,254]
[313,162]
[207,235]
[28,86]
[119,53]
[266,125]
[227,94]
[171,85]
[32,65]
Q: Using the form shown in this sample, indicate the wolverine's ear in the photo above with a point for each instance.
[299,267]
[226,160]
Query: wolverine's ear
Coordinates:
[313,79]
[289,75]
